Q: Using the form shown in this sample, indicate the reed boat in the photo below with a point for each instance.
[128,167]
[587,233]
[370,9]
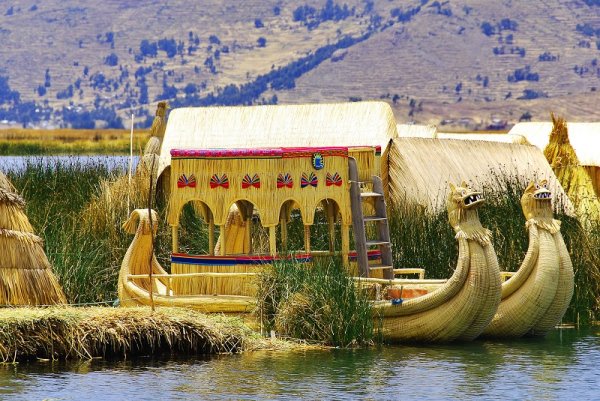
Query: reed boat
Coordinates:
[535,298]
[462,307]
[235,190]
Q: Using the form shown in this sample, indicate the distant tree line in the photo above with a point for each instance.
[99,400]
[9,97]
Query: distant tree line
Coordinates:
[277,79]
[331,11]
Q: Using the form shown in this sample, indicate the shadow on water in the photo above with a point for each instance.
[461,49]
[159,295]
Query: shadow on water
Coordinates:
[559,366]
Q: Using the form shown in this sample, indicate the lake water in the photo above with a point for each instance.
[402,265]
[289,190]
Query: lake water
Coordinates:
[563,366]
[19,163]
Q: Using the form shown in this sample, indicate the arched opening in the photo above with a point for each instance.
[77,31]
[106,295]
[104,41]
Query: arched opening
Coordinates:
[324,236]
[243,233]
[195,233]
[291,228]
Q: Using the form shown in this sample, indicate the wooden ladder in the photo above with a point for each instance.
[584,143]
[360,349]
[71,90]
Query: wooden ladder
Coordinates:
[362,244]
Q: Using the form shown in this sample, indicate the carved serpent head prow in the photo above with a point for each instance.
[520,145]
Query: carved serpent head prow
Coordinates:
[536,204]
[462,204]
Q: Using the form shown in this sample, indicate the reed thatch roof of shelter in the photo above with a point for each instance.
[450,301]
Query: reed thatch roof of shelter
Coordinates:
[333,124]
[483,136]
[419,169]
[584,138]
[26,277]
[416,130]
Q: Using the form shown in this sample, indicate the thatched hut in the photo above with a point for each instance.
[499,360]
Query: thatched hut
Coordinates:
[419,169]
[26,277]
[335,124]
[311,125]
[573,150]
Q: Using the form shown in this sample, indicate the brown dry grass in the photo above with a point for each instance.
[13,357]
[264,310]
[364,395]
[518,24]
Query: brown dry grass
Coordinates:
[69,135]
[19,141]
[85,333]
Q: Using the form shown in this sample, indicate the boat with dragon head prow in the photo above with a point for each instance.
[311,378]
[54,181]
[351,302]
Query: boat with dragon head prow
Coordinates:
[463,306]
[535,298]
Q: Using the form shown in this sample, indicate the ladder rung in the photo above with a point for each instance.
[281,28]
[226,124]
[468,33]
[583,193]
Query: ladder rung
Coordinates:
[370,195]
[377,242]
[380,267]
[374,218]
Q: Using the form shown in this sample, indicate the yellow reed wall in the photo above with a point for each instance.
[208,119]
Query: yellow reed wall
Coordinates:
[267,199]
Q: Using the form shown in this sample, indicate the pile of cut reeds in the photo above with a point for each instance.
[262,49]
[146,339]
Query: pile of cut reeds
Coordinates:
[82,333]
[26,276]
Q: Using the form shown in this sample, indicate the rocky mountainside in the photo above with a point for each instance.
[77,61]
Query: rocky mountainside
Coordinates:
[471,64]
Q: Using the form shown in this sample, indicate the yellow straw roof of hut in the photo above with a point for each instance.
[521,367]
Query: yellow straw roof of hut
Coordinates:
[584,138]
[416,131]
[419,169]
[432,131]
[484,136]
[331,124]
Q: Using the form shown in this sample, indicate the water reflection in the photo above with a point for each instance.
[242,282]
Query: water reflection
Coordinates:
[560,366]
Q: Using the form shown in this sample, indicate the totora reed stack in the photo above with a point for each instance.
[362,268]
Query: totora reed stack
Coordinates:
[26,277]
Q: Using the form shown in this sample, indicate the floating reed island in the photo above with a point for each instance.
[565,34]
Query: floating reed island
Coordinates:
[60,333]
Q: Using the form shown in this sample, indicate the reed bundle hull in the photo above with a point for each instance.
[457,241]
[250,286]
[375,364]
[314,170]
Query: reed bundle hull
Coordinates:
[537,296]
[460,309]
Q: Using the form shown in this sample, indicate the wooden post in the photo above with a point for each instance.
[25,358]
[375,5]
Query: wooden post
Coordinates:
[272,240]
[358,225]
[175,235]
[307,238]
[223,239]
[345,244]
[211,237]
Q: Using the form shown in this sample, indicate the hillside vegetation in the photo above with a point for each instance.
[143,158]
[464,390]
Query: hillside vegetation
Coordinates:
[475,64]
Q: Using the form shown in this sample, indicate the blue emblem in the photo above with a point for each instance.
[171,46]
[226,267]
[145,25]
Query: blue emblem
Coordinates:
[317,161]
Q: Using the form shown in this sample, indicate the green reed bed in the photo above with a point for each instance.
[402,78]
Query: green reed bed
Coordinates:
[56,194]
[318,303]
[86,246]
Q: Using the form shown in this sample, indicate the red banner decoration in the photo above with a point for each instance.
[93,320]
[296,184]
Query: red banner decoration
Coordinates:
[216,181]
[307,180]
[184,181]
[334,179]
[251,181]
[285,180]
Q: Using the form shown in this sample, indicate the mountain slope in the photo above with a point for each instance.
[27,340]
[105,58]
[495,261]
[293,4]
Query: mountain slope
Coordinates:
[467,63]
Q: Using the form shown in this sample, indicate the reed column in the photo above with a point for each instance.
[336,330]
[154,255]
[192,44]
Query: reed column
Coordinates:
[307,238]
[211,237]
[345,244]
[175,236]
[272,240]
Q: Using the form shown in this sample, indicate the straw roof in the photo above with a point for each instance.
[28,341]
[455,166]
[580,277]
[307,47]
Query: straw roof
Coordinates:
[432,131]
[584,137]
[416,131]
[420,169]
[26,277]
[484,136]
[335,124]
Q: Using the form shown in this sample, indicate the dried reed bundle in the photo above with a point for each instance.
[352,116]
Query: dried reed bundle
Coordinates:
[575,178]
[26,277]
[75,333]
